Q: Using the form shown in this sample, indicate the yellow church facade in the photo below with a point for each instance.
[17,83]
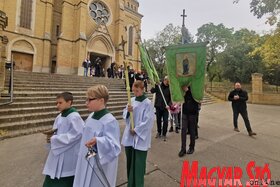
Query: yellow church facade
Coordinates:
[56,36]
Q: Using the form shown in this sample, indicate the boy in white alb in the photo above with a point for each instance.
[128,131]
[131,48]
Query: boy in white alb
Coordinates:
[64,144]
[137,139]
[101,134]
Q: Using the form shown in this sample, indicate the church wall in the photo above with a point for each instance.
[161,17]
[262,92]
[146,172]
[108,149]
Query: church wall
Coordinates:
[56,27]
[38,35]
[61,30]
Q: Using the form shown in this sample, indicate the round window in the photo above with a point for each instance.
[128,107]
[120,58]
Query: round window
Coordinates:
[99,12]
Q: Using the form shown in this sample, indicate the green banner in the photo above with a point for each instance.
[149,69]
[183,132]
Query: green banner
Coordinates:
[186,66]
[148,65]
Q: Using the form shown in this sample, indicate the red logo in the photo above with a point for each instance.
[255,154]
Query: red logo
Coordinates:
[224,176]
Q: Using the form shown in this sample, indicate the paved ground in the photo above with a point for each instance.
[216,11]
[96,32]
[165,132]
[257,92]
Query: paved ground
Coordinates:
[22,158]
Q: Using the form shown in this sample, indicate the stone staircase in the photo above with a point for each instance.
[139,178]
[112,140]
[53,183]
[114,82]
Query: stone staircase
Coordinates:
[34,107]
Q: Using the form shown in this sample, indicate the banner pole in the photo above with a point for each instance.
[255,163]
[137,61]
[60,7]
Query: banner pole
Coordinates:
[127,84]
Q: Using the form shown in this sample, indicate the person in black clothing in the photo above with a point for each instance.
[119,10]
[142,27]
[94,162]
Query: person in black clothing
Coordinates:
[138,76]
[98,68]
[238,97]
[109,72]
[131,78]
[113,69]
[145,80]
[161,109]
[197,118]
[86,66]
[190,110]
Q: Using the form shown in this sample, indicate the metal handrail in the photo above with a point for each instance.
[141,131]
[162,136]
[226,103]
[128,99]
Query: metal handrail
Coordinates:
[11,84]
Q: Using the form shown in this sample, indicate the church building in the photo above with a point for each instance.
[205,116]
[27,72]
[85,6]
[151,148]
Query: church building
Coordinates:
[56,36]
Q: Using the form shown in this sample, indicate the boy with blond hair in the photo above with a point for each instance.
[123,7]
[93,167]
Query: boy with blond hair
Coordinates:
[100,146]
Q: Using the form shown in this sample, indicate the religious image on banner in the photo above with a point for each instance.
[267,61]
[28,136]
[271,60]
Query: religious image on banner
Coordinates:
[185,64]
[186,67]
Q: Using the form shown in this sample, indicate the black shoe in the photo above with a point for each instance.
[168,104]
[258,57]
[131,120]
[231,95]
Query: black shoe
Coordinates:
[190,151]
[158,135]
[182,153]
[171,129]
[252,133]
[236,129]
[177,130]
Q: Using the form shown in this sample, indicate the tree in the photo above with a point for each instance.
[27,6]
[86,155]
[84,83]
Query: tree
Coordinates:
[237,60]
[270,53]
[260,8]
[218,36]
[170,35]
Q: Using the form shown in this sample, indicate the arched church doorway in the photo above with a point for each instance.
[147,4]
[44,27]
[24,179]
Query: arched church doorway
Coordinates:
[99,64]
[101,53]
[22,53]
[23,61]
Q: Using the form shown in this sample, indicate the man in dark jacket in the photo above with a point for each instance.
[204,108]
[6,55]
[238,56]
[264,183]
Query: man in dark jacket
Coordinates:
[161,109]
[238,97]
[131,78]
[189,122]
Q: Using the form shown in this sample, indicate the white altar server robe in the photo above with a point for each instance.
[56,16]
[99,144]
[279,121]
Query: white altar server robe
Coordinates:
[63,154]
[107,133]
[143,115]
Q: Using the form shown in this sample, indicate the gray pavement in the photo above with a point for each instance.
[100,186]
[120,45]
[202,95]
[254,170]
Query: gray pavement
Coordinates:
[22,158]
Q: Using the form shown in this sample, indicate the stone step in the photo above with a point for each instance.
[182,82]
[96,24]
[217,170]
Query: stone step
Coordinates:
[35,86]
[52,97]
[29,122]
[56,81]
[75,78]
[27,75]
[47,109]
[22,132]
[50,101]
[54,93]
[60,89]
[36,126]
[34,109]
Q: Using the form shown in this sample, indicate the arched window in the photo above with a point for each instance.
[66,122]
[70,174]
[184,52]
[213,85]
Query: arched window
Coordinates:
[26,13]
[130,40]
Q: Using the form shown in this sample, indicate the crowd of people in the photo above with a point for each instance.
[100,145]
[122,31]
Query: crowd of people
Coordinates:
[85,153]
[96,69]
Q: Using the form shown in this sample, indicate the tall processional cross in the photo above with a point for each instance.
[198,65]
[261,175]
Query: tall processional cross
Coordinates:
[184,15]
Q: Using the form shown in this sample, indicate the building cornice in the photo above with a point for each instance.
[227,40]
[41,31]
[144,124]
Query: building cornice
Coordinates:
[133,12]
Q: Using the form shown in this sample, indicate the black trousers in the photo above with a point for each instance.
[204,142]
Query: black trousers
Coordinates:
[244,114]
[196,127]
[162,115]
[188,125]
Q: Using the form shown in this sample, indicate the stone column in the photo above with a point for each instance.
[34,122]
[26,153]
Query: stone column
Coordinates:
[3,42]
[46,65]
[257,87]
[80,45]
[2,66]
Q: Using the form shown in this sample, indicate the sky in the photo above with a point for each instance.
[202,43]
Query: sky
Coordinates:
[159,13]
